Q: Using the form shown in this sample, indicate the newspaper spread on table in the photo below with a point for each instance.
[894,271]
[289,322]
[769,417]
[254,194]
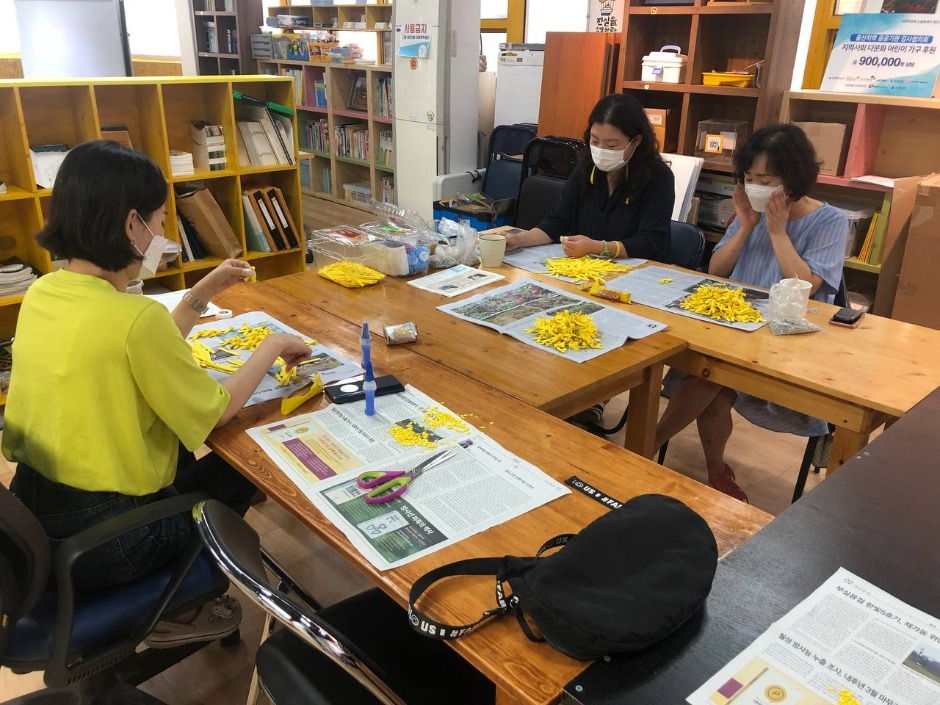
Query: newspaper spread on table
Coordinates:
[849,639]
[513,308]
[323,453]
[331,366]
[456,280]
[647,286]
[532,259]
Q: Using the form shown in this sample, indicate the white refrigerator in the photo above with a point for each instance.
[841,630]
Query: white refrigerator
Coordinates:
[435,95]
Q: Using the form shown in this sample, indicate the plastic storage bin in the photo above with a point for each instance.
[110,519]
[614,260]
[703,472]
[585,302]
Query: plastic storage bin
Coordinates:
[665,66]
[478,217]
[728,78]
[718,139]
[358,192]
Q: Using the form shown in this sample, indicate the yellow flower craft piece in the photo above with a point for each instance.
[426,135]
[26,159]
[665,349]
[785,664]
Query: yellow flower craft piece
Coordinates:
[566,330]
[408,436]
[352,275]
[584,268]
[435,417]
[721,303]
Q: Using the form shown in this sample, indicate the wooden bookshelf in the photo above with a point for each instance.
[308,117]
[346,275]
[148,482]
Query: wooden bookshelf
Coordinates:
[156,113]
[222,34]
[326,167]
[888,136]
[715,37]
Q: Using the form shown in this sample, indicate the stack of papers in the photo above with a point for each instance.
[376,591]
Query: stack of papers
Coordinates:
[181,163]
[15,278]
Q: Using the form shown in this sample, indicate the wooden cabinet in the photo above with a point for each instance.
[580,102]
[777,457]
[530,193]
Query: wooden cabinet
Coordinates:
[890,137]
[222,32]
[345,122]
[716,36]
[156,114]
[582,67]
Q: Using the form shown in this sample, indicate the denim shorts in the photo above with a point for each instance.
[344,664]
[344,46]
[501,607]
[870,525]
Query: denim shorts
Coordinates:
[64,511]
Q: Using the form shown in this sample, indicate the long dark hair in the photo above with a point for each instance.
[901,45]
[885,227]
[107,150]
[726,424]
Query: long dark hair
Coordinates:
[98,184]
[624,112]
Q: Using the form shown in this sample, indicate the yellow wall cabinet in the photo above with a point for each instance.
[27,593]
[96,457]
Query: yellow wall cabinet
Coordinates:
[157,115]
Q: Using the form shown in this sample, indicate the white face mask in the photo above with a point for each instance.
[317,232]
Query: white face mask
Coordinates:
[153,254]
[759,194]
[610,159]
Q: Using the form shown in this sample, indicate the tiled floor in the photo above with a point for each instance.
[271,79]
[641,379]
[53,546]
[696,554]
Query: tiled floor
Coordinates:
[766,464]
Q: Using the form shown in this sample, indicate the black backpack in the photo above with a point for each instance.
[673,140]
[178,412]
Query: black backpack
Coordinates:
[624,582]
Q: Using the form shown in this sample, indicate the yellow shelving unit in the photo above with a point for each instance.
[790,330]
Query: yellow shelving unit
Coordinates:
[332,102]
[157,113]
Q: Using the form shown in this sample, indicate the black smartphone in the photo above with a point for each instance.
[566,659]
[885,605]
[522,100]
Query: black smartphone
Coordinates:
[847,317]
[352,391]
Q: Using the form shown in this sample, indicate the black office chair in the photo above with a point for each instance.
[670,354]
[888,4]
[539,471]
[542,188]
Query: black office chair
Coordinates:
[501,180]
[361,650]
[537,198]
[686,249]
[85,641]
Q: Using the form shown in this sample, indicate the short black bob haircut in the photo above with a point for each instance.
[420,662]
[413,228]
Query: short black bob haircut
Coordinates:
[625,112]
[790,155]
[98,184]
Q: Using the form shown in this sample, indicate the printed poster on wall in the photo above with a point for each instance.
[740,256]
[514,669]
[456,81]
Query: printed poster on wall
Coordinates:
[885,54]
[414,40]
[606,16]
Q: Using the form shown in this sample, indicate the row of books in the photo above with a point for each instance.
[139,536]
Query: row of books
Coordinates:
[867,251]
[218,41]
[202,226]
[208,146]
[386,155]
[387,189]
[352,140]
[319,93]
[317,135]
[383,103]
[263,143]
[298,77]
[269,226]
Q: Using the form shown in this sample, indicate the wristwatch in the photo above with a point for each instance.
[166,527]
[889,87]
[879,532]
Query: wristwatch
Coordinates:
[198,305]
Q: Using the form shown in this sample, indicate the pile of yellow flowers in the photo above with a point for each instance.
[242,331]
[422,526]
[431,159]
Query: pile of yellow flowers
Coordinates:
[408,436]
[435,417]
[566,330]
[721,303]
[202,354]
[584,268]
[846,698]
[352,275]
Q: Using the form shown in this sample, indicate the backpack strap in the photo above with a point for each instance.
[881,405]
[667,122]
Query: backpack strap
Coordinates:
[497,567]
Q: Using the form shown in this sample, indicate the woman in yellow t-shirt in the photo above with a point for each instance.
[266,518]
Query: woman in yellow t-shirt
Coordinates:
[106,403]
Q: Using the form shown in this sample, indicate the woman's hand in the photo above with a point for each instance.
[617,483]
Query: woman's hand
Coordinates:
[291,348]
[581,245]
[778,213]
[526,238]
[230,272]
[746,215]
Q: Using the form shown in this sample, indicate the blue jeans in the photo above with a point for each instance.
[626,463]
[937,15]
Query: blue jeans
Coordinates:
[64,511]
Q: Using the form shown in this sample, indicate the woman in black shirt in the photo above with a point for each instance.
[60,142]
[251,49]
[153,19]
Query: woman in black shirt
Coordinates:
[619,202]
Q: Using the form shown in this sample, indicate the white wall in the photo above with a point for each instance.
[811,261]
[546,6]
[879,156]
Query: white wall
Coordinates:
[9,36]
[543,16]
[152,28]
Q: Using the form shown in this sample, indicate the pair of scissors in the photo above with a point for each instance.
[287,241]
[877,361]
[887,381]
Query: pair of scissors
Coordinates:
[387,485]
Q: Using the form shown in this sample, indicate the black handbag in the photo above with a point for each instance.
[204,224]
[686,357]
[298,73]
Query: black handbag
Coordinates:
[624,582]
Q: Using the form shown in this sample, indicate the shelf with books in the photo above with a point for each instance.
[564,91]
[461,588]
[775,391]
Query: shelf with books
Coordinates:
[155,115]
[221,30]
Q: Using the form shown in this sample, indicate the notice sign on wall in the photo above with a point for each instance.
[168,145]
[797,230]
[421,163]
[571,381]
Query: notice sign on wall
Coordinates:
[885,54]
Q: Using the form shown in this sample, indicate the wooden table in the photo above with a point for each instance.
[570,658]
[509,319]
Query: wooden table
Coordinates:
[878,519]
[856,379]
[537,377]
[524,672]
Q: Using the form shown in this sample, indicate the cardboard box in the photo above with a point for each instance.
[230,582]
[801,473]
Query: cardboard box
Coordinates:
[659,121]
[828,138]
[918,284]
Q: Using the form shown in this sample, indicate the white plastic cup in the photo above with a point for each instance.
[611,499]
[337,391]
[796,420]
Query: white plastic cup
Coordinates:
[135,286]
[789,299]
[492,249]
